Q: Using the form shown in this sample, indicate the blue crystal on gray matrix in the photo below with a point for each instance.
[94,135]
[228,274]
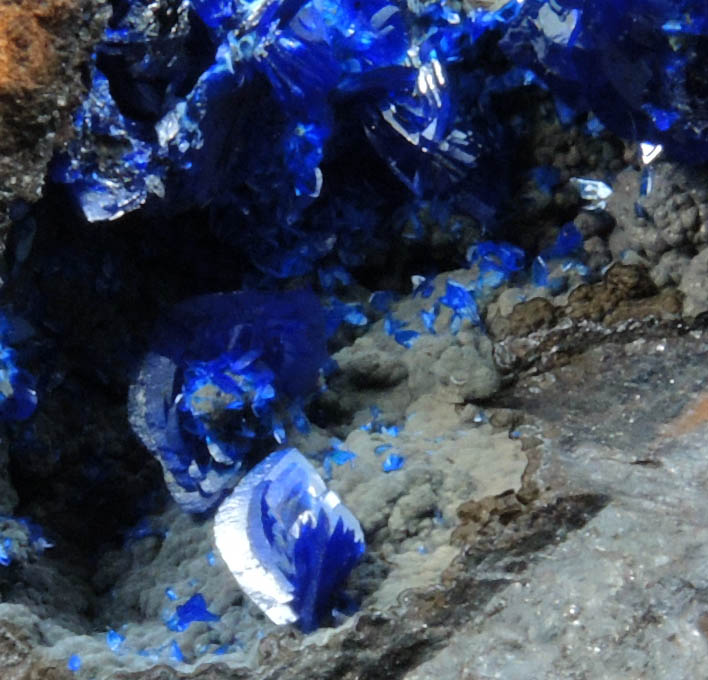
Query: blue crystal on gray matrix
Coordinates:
[288,540]
[639,65]
[223,374]
[194,609]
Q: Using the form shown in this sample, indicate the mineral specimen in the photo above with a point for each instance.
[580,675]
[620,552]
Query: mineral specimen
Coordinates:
[218,382]
[236,107]
[288,540]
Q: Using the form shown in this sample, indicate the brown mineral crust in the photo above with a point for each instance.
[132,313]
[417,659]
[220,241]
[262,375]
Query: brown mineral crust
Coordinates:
[532,315]
[625,302]
[44,49]
[27,54]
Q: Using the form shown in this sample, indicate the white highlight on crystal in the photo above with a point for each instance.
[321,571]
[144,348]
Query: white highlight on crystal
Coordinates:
[650,152]
[557,24]
[592,190]
[295,496]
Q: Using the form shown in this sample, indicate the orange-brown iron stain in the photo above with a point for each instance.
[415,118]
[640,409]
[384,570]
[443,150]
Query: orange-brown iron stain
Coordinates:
[27,54]
[694,416]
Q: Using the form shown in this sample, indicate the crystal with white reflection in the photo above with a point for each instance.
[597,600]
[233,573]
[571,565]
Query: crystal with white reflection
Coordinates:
[289,541]
[592,190]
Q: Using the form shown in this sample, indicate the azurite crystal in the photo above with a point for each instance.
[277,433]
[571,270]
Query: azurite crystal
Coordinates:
[234,105]
[223,374]
[289,542]
[639,65]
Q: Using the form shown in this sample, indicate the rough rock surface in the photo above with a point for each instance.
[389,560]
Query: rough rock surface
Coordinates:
[548,520]
[602,575]
[44,51]
[673,214]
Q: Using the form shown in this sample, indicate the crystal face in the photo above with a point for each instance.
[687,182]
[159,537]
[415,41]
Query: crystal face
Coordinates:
[288,540]
[225,376]
[638,65]
[237,106]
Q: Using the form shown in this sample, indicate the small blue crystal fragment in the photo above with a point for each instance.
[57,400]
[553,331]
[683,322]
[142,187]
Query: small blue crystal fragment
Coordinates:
[575,265]
[6,552]
[211,558]
[390,430]
[392,463]
[171,594]
[338,456]
[114,640]
[194,609]
[406,338]
[461,301]
[429,317]
[74,663]
[594,126]
[392,325]
[299,419]
[539,271]
[382,447]
[662,118]
[422,286]
[176,652]
[480,417]
[497,262]
[288,540]
[339,312]
[36,536]
[647,183]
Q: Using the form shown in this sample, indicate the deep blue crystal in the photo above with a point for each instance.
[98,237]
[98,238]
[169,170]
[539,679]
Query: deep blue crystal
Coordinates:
[194,609]
[176,652]
[429,317]
[637,64]
[221,375]
[114,640]
[289,542]
[393,462]
[461,300]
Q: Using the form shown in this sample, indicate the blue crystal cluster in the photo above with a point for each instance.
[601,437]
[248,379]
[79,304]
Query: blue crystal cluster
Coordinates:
[638,65]
[194,609]
[288,540]
[236,107]
[227,373]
